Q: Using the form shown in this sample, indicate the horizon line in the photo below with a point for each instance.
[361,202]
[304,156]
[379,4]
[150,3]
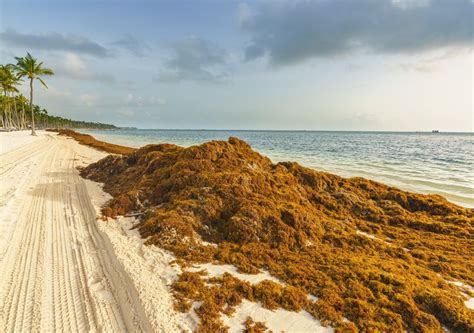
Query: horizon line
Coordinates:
[283,130]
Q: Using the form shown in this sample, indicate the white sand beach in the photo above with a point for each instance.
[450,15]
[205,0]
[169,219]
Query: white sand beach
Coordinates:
[65,270]
[59,270]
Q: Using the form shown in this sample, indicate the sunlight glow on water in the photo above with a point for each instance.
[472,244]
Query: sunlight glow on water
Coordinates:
[440,163]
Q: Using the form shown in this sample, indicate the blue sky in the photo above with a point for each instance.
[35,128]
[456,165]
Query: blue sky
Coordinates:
[315,65]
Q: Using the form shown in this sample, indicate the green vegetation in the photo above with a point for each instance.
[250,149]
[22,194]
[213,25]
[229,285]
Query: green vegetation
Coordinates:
[30,68]
[18,112]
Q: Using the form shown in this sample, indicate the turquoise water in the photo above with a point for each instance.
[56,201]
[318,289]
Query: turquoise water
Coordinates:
[439,163]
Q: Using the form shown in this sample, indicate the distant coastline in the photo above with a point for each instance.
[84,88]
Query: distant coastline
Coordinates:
[277,130]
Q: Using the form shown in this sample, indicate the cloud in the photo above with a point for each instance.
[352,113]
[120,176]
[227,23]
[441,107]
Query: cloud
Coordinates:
[54,41]
[194,59]
[89,99]
[74,67]
[133,45]
[427,64]
[291,32]
[244,12]
[133,104]
[144,102]
[127,105]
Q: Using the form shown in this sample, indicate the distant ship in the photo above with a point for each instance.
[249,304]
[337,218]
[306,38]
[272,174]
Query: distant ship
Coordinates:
[434,131]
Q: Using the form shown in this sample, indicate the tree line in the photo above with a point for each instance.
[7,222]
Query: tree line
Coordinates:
[19,112]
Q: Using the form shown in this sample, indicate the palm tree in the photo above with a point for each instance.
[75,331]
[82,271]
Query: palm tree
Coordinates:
[8,83]
[15,81]
[22,100]
[30,68]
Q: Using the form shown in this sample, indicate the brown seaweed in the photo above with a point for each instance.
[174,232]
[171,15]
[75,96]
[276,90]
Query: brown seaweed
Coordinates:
[90,141]
[300,225]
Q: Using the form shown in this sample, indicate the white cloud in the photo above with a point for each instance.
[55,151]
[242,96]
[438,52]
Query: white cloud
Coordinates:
[89,99]
[427,64]
[143,102]
[73,66]
[133,104]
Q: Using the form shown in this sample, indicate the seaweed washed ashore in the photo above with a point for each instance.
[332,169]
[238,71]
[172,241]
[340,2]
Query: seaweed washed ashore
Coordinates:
[372,257]
[89,140]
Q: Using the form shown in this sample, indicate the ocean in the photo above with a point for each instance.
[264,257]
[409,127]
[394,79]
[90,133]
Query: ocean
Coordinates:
[440,163]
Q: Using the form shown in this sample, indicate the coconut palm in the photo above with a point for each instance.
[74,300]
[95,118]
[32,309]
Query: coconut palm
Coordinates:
[3,98]
[13,90]
[32,69]
[22,100]
[8,83]
[7,78]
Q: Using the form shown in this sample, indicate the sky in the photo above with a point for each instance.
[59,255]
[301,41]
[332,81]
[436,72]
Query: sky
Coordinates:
[387,65]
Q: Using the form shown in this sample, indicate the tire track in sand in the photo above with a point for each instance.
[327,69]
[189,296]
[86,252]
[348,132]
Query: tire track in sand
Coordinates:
[14,166]
[59,272]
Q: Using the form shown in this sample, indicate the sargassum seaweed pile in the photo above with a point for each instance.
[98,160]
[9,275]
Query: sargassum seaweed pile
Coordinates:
[307,228]
[89,140]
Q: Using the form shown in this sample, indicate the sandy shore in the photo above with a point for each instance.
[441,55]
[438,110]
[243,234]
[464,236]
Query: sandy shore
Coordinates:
[64,270]
[60,272]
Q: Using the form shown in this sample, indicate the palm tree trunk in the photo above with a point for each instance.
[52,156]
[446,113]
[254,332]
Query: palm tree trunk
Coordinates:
[33,132]
[23,116]
[7,121]
[9,114]
[17,116]
[5,112]
[3,116]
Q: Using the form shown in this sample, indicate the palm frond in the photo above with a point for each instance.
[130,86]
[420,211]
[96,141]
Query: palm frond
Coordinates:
[29,67]
[47,71]
[40,80]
